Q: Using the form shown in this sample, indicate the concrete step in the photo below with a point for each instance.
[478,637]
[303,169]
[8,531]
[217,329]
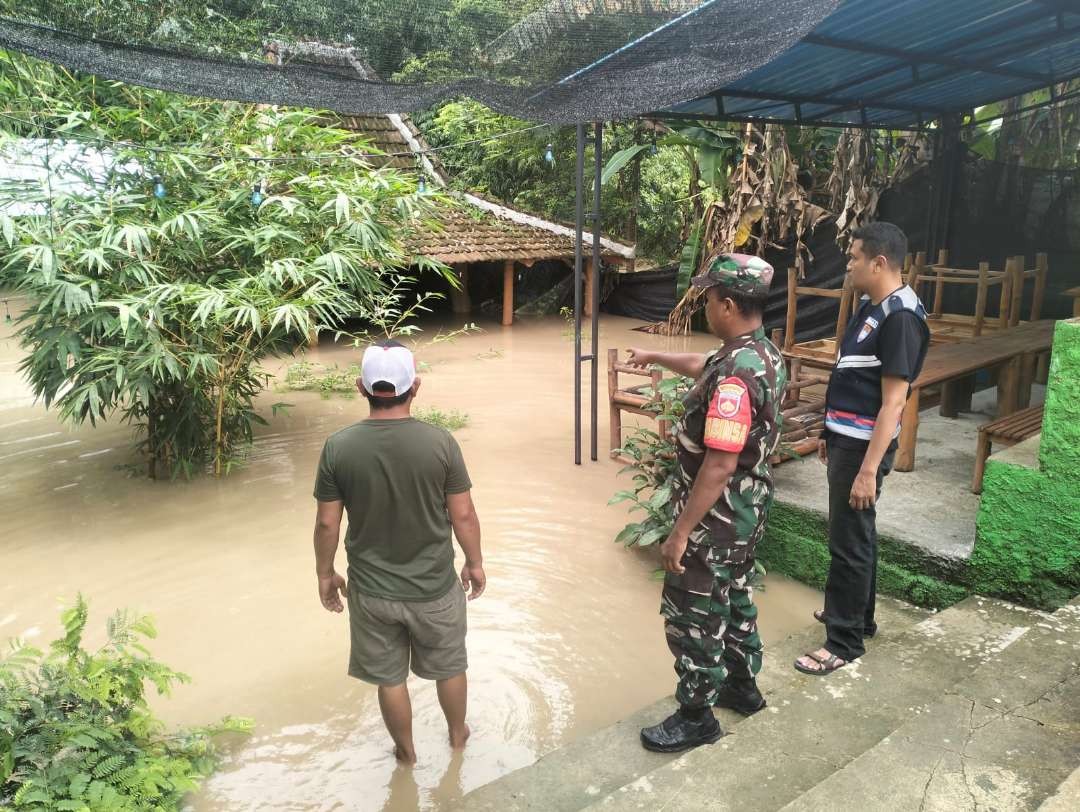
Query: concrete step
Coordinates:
[583,771]
[1003,738]
[1067,797]
[822,724]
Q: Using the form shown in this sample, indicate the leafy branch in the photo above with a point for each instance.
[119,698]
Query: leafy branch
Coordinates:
[77,732]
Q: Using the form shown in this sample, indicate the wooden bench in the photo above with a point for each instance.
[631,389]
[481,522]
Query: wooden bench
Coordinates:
[1005,431]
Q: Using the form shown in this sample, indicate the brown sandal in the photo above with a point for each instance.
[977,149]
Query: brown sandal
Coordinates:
[828,665]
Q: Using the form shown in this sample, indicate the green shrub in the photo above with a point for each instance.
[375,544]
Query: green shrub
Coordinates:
[653,465]
[77,733]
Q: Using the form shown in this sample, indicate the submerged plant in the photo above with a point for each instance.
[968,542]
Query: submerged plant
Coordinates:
[305,376]
[653,465]
[451,420]
[77,732]
[391,316]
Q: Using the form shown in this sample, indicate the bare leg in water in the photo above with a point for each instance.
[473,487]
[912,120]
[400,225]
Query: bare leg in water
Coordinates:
[453,697]
[396,710]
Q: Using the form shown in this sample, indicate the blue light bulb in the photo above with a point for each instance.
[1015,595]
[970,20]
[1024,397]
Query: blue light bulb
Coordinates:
[256,196]
[159,187]
[549,155]
[421,187]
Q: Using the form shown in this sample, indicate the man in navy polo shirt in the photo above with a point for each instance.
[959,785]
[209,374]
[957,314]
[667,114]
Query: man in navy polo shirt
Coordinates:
[881,353]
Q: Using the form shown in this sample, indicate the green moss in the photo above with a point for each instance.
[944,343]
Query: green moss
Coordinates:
[1028,543]
[1059,452]
[796,544]
[1027,547]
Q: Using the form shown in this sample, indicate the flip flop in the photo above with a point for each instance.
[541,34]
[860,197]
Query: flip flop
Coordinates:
[828,665]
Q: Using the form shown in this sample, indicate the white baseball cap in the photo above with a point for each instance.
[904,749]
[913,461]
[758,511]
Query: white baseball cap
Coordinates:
[388,363]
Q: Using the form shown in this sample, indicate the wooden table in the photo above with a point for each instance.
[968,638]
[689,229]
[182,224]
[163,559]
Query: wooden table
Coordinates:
[1012,350]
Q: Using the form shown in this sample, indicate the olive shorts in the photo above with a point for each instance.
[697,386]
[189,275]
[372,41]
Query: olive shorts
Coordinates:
[389,635]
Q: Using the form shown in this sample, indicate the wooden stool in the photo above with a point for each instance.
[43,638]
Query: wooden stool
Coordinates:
[1005,431]
[1074,294]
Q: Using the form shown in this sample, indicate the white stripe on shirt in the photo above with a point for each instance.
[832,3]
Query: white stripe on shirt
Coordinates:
[849,361]
[854,431]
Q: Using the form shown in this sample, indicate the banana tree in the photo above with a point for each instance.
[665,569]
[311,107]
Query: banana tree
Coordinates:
[710,152]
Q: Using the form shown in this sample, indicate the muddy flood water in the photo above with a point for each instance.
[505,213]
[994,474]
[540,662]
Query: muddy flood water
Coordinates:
[566,640]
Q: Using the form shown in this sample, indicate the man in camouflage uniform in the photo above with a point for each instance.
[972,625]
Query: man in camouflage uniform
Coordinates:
[730,428]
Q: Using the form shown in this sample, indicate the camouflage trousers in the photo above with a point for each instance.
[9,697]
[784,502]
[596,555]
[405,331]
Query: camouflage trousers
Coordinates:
[710,622]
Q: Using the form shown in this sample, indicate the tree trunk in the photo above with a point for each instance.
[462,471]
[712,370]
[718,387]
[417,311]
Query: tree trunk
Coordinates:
[217,432]
[151,439]
[635,191]
[697,208]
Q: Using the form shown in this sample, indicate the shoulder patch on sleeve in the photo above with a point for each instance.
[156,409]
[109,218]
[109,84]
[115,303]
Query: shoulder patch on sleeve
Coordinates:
[727,423]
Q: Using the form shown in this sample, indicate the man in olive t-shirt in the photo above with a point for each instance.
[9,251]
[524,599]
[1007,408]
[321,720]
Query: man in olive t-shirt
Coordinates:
[404,486]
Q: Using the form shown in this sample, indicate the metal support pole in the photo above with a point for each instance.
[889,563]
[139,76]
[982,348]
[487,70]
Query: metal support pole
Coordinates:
[579,180]
[598,151]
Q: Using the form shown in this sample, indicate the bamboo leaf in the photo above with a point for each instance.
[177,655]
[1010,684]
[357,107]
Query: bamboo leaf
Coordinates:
[7,226]
[124,314]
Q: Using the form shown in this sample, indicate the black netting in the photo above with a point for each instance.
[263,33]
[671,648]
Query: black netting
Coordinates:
[651,295]
[561,61]
[999,209]
[645,295]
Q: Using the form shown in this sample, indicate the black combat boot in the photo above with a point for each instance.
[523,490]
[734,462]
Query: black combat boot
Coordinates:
[740,695]
[686,728]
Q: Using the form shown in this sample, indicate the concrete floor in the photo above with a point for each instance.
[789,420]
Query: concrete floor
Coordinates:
[931,507]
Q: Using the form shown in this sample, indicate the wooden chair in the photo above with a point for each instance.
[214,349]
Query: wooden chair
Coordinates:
[1005,431]
[820,352]
[632,399]
[959,326]
[1012,280]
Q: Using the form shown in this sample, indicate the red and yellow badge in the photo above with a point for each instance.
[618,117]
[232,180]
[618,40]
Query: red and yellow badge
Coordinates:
[727,422]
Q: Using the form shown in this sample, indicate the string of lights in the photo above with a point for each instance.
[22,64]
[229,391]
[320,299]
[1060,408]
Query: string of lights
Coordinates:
[193,150]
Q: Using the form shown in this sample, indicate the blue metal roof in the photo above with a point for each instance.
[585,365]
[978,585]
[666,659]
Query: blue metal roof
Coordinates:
[903,63]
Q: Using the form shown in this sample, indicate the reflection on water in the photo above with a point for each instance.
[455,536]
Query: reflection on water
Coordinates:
[566,640]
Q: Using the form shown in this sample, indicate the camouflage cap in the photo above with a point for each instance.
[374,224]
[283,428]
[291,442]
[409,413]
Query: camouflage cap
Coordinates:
[742,272]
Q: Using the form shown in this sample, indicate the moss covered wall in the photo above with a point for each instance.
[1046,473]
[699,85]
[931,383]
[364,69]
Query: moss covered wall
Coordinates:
[796,544]
[1027,545]
[1059,452]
